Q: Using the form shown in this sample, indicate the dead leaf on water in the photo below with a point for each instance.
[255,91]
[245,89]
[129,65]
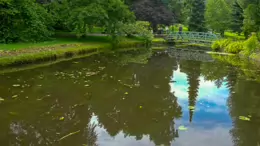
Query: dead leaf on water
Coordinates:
[1,99]
[244,118]
[14,96]
[191,107]
[61,118]
[182,128]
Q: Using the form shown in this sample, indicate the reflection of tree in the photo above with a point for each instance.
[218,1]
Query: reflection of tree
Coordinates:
[245,100]
[192,69]
[214,71]
[148,109]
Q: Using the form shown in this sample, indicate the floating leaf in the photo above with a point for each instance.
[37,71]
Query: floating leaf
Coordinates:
[182,128]
[14,96]
[86,85]
[244,118]
[61,118]
[16,85]
[140,106]
[191,107]
[13,113]
[1,99]
[126,93]
[156,86]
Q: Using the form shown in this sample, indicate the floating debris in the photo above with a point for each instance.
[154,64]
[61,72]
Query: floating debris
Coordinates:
[183,128]
[1,99]
[156,86]
[69,135]
[126,93]
[87,85]
[191,107]
[140,106]
[16,85]
[61,118]
[244,118]
[14,96]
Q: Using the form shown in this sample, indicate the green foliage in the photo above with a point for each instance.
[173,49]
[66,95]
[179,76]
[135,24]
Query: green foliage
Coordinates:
[234,47]
[252,21]
[24,20]
[197,19]
[251,45]
[217,15]
[237,17]
[141,29]
[221,44]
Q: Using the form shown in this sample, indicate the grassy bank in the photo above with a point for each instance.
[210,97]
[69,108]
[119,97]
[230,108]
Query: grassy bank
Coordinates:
[249,48]
[66,47]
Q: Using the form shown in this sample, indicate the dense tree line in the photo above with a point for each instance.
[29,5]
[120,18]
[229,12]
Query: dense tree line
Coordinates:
[236,15]
[37,20]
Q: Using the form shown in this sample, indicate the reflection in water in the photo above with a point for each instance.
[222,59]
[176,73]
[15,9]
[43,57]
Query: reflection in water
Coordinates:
[130,99]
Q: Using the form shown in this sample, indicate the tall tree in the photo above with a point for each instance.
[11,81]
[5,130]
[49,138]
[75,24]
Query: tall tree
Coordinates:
[252,18]
[217,15]
[237,17]
[197,19]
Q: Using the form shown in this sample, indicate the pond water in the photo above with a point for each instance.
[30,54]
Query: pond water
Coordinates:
[138,98]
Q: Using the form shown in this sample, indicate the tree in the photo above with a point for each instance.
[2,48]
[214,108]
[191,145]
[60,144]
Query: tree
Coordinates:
[24,20]
[153,11]
[197,19]
[237,18]
[217,15]
[252,18]
[111,14]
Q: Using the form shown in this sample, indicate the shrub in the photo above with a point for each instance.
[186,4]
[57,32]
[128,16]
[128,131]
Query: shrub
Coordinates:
[251,45]
[221,44]
[234,47]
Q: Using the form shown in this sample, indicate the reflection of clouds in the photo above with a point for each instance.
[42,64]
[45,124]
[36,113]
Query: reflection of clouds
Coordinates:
[218,136]
[207,91]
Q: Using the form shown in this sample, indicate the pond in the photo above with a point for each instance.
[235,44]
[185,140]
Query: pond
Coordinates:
[139,98]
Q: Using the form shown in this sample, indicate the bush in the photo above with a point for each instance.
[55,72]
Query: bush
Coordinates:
[221,44]
[251,45]
[234,47]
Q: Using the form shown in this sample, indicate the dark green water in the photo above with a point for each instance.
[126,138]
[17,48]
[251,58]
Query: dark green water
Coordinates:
[134,99]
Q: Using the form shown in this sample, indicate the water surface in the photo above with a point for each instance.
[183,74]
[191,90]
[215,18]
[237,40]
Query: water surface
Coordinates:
[137,98]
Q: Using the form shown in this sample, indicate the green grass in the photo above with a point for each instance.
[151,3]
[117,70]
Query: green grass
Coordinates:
[234,36]
[62,39]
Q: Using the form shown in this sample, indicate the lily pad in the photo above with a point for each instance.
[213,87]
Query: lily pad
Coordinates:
[244,118]
[182,128]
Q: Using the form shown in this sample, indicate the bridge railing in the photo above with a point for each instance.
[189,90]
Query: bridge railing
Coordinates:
[190,36]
